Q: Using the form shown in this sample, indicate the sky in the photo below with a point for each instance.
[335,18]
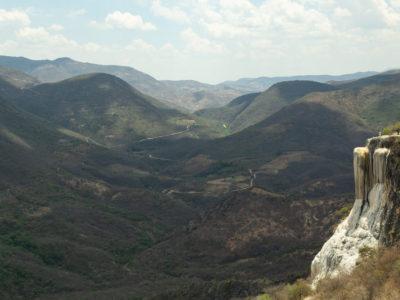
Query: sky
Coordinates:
[208,40]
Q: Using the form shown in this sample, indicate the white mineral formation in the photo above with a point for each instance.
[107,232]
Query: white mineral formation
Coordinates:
[362,228]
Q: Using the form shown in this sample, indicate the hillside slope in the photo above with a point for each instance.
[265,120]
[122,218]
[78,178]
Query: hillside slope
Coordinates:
[304,136]
[104,108]
[22,138]
[190,95]
[246,238]
[170,218]
[227,114]
[73,214]
[16,78]
[253,108]
[263,83]
[301,157]
[376,99]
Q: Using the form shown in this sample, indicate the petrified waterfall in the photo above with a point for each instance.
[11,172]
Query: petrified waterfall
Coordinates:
[374,218]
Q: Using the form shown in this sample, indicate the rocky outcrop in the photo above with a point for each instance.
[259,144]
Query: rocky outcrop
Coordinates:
[375,217]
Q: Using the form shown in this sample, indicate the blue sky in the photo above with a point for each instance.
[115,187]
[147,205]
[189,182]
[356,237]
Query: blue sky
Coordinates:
[209,40]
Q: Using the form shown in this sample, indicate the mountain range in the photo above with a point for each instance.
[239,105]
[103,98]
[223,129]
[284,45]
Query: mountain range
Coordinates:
[103,108]
[190,95]
[186,94]
[100,199]
[374,100]
[262,83]
[250,109]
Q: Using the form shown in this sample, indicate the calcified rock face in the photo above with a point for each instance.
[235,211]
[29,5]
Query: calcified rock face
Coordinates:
[374,219]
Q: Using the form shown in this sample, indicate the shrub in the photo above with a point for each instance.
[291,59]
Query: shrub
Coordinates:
[366,252]
[263,297]
[299,290]
[343,212]
[391,128]
[377,276]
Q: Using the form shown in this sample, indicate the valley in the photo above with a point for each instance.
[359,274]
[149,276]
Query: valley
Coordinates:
[109,193]
[200,150]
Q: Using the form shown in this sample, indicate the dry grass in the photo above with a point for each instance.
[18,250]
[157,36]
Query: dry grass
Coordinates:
[377,276]
[296,291]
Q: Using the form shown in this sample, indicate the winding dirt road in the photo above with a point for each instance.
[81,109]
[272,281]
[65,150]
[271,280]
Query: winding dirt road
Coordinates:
[188,128]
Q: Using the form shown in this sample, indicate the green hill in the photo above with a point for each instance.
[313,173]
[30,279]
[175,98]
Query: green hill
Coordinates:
[73,214]
[104,108]
[228,113]
[376,99]
[171,218]
[23,138]
[304,136]
[301,156]
[16,78]
[250,109]
[188,94]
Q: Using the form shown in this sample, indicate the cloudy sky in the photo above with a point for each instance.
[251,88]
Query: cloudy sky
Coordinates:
[208,40]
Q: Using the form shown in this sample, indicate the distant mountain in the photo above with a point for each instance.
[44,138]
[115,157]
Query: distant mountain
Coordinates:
[64,68]
[250,109]
[104,108]
[228,113]
[186,94]
[173,218]
[262,83]
[194,95]
[16,78]
[190,95]
[375,100]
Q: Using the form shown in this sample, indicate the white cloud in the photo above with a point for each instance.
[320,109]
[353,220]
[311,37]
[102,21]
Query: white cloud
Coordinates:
[395,3]
[390,14]
[40,42]
[226,30]
[126,20]
[56,27]
[195,43]
[37,34]
[91,47]
[169,49]
[227,38]
[171,13]
[14,16]
[342,12]
[242,18]
[140,45]
[238,5]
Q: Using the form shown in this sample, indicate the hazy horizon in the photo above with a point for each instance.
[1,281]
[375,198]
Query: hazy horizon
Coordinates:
[209,41]
[190,79]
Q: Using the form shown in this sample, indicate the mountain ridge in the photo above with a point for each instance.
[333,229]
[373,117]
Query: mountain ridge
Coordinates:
[264,82]
[103,107]
[188,94]
[250,109]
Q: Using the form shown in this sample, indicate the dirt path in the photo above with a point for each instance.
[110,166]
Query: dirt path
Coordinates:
[188,128]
